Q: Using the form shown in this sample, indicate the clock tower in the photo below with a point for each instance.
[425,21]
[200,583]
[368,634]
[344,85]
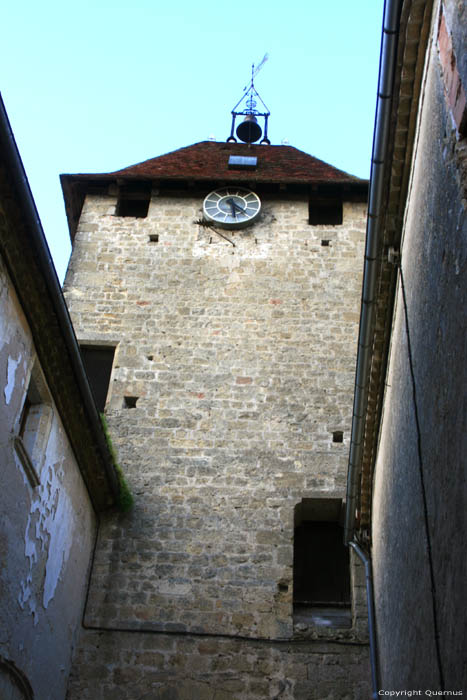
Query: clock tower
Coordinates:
[215,293]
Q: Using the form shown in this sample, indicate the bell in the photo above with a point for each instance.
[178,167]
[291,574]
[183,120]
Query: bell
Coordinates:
[249,130]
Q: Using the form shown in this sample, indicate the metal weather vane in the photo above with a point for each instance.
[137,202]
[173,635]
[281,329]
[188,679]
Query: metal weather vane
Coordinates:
[256,70]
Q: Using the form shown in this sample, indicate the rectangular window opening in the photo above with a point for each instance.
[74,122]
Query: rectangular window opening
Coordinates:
[133,200]
[130,401]
[321,572]
[325,212]
[34,426]
[98,362]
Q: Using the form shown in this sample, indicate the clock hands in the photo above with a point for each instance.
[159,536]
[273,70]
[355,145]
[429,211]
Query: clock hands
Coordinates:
[234,206]
[231,207]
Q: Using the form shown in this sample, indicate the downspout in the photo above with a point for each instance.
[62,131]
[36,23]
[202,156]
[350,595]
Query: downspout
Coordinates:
[391,17]
[371,617]
[388,54]
[44,259]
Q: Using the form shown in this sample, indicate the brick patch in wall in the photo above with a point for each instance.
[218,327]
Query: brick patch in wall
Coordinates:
[454,90]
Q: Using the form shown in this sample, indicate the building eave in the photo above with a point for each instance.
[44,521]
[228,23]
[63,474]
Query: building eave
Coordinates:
[26,255]
[393,180]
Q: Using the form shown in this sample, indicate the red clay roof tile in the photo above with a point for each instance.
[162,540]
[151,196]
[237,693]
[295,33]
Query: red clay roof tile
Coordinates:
[208,160]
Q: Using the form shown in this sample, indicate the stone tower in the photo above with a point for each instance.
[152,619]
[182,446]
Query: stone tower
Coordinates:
[215,291]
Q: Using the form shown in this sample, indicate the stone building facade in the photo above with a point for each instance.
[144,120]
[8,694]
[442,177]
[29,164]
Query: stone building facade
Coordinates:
[224,360]
[232,358]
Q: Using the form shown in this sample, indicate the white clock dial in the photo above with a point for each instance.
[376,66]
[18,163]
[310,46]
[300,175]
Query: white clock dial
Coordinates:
[232,207]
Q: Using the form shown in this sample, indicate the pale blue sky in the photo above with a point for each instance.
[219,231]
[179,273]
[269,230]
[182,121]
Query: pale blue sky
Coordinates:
[96,86]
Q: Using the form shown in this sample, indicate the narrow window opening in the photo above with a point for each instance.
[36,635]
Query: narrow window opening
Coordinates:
[154,238]
[34,426]
[325,212]
[321,574]
[24,415]
[130,401]
[325,242]
[98,361]
[338,436]
[282,587]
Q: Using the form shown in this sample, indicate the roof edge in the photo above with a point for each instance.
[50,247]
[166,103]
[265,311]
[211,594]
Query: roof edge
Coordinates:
[33,276]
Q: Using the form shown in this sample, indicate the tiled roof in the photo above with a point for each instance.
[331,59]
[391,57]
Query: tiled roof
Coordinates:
[208,160]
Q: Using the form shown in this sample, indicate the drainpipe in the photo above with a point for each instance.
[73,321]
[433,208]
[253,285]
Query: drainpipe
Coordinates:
[387,64]
[392,10]
[371,617]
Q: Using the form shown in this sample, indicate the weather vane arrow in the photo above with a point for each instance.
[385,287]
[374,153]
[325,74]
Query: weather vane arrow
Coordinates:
[255,71]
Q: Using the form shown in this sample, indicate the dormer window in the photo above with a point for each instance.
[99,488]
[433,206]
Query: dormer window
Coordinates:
[243,162]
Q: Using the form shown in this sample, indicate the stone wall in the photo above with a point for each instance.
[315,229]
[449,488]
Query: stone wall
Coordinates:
[127,666]
[433,259]
[47,523]
[241,359]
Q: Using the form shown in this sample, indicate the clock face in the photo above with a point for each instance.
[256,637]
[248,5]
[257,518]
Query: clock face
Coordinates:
[232,207]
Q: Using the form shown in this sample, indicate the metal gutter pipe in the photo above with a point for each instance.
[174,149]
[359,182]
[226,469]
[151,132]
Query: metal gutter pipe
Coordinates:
[371,617]
[392,10]
[44,259]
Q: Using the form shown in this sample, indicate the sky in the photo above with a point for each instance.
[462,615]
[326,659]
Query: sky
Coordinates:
[99,85]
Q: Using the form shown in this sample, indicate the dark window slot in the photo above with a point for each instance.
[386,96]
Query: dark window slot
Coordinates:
[137,208]
[325,212]
[98,361]
[133,200]
[130,401]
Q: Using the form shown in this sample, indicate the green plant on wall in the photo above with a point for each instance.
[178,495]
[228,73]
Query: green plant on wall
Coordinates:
[125,497]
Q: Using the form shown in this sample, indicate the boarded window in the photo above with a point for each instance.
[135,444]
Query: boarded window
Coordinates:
[98,361]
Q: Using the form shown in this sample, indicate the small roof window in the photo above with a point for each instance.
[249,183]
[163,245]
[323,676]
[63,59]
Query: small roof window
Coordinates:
[243,162]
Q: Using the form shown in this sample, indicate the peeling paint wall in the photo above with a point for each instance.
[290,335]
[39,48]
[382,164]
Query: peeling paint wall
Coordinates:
[46,531]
